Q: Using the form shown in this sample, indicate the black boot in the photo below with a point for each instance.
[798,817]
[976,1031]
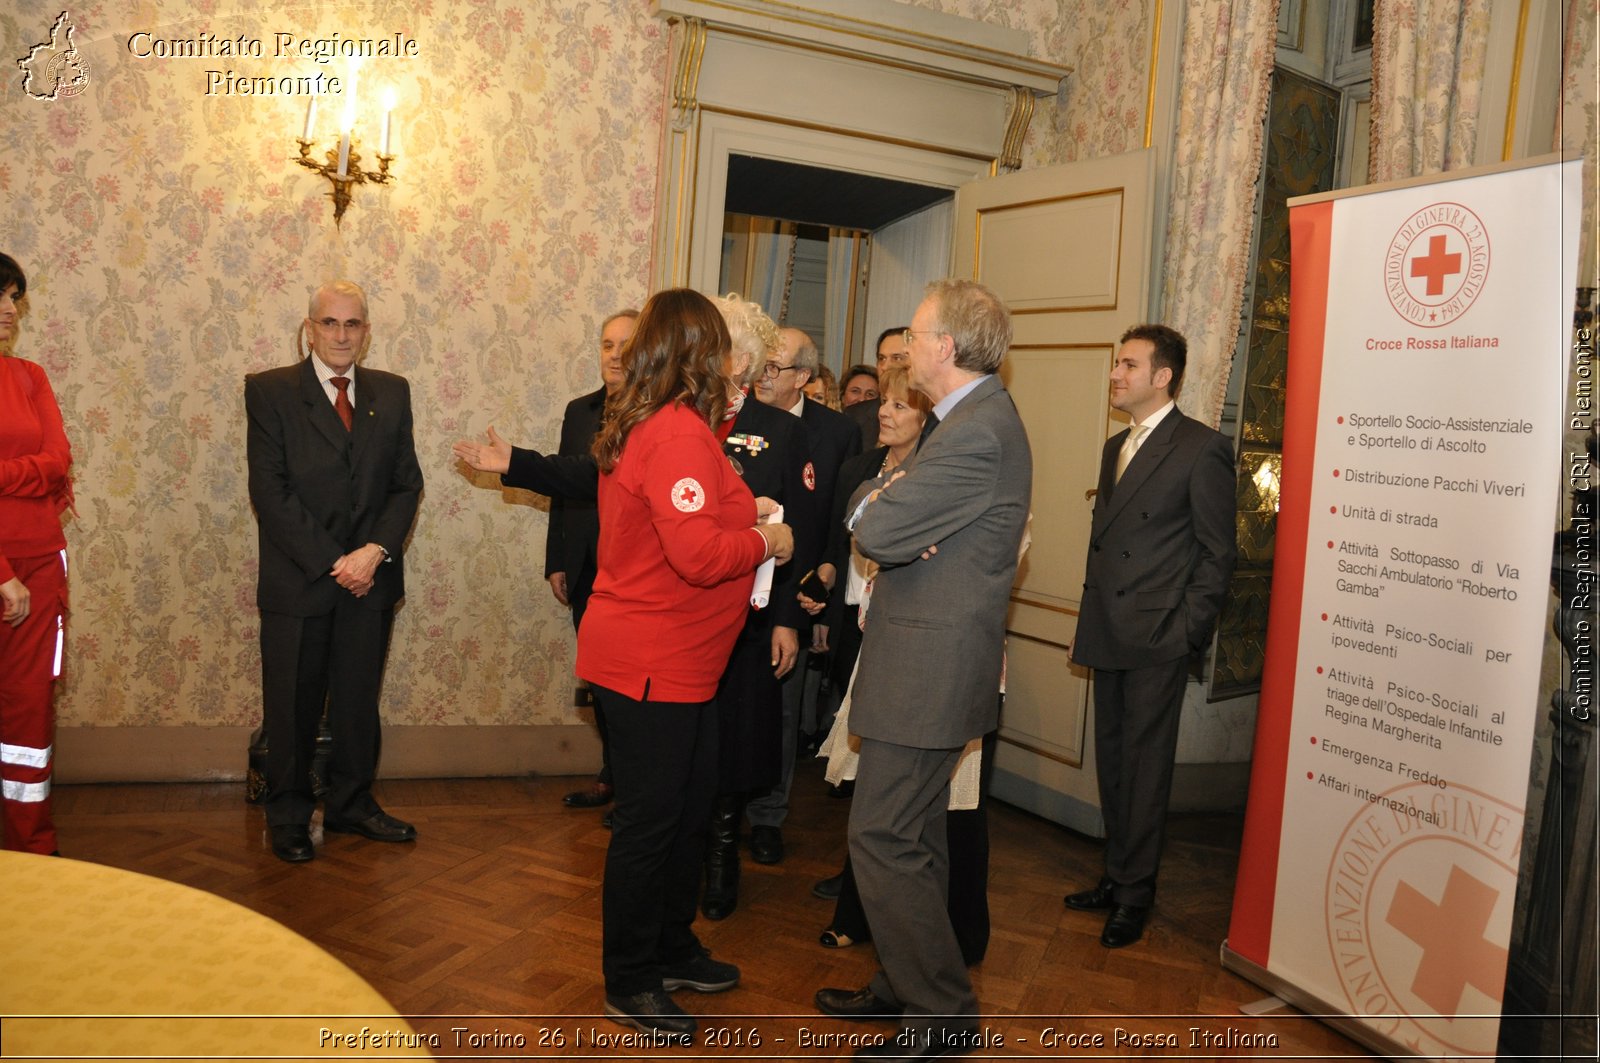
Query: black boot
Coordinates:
[722,858]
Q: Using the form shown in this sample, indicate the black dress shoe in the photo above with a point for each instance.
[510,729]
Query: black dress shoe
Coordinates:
[860,1003]
[766,845]
[1095,900]
[291,843]
[650,1012]
[828,889]
[1124,926]
[598,793]
[380,827]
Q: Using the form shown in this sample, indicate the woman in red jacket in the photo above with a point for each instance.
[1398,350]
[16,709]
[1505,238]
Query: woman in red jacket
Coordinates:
[679,543]
[34,458]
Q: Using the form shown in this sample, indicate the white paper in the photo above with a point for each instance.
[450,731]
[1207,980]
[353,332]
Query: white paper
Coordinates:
[761,593]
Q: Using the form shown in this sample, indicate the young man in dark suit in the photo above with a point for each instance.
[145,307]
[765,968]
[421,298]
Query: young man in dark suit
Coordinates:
[574,532]
[931,657]
[1161,552]
[335,484]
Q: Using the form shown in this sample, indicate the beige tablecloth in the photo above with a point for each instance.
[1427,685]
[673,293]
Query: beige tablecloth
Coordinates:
[102,962]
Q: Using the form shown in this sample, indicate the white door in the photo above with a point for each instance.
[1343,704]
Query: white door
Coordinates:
[1067,248]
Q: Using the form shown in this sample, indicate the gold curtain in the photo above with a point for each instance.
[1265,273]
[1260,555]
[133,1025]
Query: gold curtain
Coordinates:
[1227,59]
[1427,85]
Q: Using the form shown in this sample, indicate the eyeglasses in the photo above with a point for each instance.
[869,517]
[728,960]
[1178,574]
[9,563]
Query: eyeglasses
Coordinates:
[771,370]
[333,324]
[908,334]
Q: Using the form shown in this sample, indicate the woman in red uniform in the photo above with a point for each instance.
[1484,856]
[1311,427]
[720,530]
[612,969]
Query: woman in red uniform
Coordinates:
[679,543]
[33,579]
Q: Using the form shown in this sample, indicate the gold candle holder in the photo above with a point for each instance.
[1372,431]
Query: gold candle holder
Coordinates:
[353,175]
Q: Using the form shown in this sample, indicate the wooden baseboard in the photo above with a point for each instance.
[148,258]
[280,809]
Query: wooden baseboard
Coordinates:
[217,754]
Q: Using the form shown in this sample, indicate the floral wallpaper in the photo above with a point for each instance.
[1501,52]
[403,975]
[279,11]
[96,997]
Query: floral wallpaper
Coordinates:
[171,242]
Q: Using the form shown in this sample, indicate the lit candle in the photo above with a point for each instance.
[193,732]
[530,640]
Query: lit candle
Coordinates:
[311,119]
[347,120]
[388,116]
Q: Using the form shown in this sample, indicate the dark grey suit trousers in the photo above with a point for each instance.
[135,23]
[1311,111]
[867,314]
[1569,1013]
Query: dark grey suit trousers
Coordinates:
[901,859]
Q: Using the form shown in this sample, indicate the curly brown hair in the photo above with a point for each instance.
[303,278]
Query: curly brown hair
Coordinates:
[676,355]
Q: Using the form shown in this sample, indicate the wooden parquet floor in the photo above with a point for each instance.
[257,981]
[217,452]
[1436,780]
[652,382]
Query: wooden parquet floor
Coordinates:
[491,923]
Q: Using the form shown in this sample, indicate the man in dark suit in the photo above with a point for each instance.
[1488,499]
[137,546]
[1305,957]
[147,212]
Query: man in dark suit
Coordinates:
[574,532]
[1161,551]
[335,483]
[891,351]
[833,440]
[946,532]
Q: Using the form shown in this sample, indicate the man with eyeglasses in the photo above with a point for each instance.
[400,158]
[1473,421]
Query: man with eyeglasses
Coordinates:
[335,483]
[945,530]
[834,440]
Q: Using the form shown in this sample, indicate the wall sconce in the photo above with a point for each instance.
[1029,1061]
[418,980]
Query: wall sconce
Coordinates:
[342,167]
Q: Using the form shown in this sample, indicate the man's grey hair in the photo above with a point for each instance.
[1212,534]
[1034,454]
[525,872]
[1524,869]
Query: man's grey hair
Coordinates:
[805,356]
[336,288]
[629,313]
[976,319]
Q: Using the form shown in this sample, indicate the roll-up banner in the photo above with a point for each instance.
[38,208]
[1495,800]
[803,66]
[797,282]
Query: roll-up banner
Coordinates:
[1429,328]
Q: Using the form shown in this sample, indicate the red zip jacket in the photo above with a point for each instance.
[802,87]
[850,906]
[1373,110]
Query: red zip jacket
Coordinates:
[678,550]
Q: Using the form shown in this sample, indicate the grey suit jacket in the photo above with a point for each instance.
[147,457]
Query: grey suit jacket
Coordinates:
[1161,548]
[935,634]
[320,491]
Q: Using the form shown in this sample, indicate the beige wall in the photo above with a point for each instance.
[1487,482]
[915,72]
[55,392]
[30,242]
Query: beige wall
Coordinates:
[171,242]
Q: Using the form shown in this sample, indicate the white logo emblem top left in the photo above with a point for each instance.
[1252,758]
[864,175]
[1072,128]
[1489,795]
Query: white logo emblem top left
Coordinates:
[55,69]
[688,495]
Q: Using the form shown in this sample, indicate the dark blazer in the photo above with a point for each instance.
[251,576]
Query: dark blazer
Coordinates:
[320,491]
[864,415]
[574,533]
[834,440]
[1161,548]
[777,471]
[933,644]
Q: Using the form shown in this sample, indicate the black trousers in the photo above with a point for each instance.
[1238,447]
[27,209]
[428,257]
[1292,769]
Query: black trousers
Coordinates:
[333,661]
[664,766]
[1136,738]
[578,594]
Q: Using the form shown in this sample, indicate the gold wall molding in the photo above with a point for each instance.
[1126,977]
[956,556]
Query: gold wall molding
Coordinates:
[691,49]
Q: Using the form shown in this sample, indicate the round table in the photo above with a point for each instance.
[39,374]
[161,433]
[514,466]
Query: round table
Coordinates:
[99,961]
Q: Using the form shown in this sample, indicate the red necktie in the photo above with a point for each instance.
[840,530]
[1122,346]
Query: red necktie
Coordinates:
[341,405]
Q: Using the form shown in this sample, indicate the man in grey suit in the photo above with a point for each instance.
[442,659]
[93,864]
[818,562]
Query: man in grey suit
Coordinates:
[945,532]
[1161,551]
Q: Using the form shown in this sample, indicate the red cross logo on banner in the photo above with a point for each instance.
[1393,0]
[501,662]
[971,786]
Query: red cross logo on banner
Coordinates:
[1455,952]
[1436,265]
[687,495]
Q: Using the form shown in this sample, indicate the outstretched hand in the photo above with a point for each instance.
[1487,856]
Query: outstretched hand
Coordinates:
[493,456]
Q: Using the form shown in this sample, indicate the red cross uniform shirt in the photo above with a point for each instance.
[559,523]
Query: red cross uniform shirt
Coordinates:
[677,553]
